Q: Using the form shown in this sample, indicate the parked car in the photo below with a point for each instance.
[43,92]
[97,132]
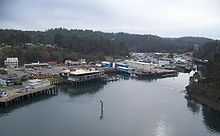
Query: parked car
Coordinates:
[28,88]
[3,94]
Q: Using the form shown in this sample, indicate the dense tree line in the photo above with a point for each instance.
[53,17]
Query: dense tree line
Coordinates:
[65,43]
[45,54]
[211,52]
[58,44]
[79,38]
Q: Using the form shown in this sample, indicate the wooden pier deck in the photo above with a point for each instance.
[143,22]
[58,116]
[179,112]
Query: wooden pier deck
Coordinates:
[19,95]
[156,73]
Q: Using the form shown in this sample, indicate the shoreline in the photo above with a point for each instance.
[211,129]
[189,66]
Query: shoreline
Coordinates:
[199,96]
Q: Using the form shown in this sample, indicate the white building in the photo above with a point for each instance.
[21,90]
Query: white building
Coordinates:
[141,65]
[3,82]
[38,64]
[163,62]
[11,62]
[71,63]
[36,83]
[82,61]
[8,80]
[81,75]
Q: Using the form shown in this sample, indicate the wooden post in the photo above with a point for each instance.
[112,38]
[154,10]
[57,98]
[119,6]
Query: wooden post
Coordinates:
[6,104]
[102,107]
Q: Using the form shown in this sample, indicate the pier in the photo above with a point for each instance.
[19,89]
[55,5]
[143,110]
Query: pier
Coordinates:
[20,95]
[78,77]
[155,73]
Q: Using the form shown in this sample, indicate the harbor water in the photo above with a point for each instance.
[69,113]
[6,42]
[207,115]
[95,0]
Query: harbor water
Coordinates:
[126,107]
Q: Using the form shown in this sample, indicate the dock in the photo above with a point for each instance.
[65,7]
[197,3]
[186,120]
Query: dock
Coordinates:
[18,96]
[80,76]
[156,73]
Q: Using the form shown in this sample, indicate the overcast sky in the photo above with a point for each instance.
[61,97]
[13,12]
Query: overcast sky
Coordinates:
[169,18]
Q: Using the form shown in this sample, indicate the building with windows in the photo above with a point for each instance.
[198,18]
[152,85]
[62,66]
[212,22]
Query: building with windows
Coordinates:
[8,80]
[11,62]
[34,65]
[82,75]
[36,83]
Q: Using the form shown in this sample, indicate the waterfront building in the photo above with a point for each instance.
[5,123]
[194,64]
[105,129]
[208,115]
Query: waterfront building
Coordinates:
[10,77]
[38,64]
[82,61]
[106,64]
[141,65]
[124,68]
[81,75]
[71,63]
[36,83]
[11,62]
[163,62]
[8,80]
[52,62]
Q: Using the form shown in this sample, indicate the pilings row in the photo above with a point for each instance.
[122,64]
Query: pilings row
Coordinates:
[29,96]
[81,83]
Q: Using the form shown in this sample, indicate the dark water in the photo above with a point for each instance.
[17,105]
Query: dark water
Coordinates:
[131,108]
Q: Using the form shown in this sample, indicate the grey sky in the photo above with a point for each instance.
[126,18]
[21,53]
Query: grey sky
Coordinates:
[172,18]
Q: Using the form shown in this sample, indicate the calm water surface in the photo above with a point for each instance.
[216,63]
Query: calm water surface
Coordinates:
[131,108]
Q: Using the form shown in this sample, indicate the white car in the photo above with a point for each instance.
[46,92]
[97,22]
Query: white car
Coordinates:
[28,88]
[3,94]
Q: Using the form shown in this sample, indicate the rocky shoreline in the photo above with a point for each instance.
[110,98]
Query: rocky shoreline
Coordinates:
[205,96]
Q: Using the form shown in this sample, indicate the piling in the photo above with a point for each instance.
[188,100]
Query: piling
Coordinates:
[102,109]
[18,98]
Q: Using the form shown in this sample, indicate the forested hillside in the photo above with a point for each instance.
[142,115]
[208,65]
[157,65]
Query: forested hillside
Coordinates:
[211,52]
[59,43]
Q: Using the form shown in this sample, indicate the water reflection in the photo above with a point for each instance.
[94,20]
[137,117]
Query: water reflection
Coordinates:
[153,79]
[211,118]
[89,88]
[147,79]
[132,107]
[203,89]
[193,106]
[161,129]
[34,100]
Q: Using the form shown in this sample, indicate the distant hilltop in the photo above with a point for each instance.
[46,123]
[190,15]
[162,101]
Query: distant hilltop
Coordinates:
[59,44]
[74,37]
